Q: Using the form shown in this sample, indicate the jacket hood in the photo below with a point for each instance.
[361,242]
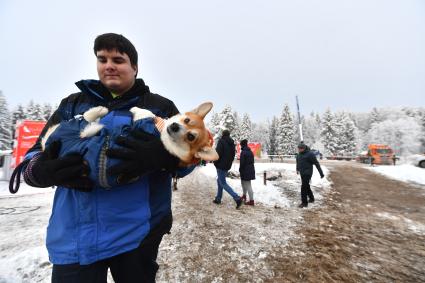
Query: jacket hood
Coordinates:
[245,147]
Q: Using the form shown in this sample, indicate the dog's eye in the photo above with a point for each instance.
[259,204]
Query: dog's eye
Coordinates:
[190,137]
[186,121]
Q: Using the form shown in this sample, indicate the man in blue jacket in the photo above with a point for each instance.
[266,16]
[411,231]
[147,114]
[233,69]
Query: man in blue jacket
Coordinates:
[305,161]
[92,229]
[226,152]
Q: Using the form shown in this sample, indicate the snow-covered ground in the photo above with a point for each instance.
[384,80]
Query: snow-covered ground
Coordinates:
[23,221]
[403,172]
[24,216]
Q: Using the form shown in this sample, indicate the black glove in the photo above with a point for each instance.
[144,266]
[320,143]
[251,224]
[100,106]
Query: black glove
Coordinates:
[140,153]
[322,175]
[69,171]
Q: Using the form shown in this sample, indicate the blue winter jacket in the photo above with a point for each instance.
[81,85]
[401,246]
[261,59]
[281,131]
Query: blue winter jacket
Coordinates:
[88,227]
[116,123]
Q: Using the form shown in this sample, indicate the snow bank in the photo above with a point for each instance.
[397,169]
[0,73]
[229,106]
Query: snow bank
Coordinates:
[404,173]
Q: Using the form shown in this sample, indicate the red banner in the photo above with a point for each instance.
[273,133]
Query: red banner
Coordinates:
[26,134]
[254,146]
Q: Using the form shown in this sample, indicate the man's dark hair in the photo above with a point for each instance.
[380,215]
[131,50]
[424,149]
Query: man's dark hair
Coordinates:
[244,142]
[302,145]
[225,133]
[111,41]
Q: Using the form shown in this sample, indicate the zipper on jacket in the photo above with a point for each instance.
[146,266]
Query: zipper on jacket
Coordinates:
[103,160]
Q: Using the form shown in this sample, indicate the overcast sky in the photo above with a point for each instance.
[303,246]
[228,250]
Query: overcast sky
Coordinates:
[253,55]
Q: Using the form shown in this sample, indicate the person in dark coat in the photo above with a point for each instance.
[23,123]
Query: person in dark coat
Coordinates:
[305,161]
[247,171]
[226,152]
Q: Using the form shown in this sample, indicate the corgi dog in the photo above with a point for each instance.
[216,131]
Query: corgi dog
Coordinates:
[183,135]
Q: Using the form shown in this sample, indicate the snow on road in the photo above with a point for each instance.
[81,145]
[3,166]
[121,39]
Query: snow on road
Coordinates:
[23,220]
[24,217]
[404,172]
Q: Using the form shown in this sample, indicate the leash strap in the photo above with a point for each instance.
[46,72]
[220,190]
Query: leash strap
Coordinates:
[15,179]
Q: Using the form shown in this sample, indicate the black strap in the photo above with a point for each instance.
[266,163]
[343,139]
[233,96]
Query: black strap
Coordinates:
[14,184]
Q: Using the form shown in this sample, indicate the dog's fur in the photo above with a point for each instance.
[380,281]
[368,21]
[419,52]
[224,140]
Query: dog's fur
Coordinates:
[183,135]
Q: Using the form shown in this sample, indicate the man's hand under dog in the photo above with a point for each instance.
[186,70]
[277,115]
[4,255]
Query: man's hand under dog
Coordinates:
[139,153]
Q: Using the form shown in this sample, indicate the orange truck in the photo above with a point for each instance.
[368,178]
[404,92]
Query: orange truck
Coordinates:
[378,154]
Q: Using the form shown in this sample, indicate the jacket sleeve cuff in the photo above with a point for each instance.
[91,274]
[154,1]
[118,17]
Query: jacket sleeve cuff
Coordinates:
[28,173]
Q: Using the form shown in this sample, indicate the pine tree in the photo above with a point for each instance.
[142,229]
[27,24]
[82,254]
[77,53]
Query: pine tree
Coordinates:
[246,128]
[236,133]
[346,133]
[30,110]
[272,137]
[286,133]
[402,135]
[329,133]
[47,111]
[214,123]
[311,130]
[34,111]
[227,120]
[260,133]
[5,124]
[17,115]
[38,113]
[375,117]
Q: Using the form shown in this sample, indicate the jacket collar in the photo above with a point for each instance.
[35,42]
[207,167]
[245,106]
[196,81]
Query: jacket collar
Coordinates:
[97,89]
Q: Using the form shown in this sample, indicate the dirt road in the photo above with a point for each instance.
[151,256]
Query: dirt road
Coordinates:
[371,229]
[366,229]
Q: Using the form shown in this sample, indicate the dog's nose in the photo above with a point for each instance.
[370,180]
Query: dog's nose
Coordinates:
[174,127]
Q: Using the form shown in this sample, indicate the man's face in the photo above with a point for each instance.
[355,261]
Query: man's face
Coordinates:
[115,71]
[301,149]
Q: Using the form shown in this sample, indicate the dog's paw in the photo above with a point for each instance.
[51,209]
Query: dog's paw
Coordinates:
[139,113]
[95,113]
[91,130]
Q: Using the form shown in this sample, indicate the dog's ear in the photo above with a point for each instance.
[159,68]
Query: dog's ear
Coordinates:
[203,109]
[207,153]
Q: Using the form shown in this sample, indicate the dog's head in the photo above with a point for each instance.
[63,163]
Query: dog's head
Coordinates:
[185,135]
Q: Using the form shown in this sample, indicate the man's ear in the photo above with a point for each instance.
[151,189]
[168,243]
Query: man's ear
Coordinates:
[207,153]
[136,70]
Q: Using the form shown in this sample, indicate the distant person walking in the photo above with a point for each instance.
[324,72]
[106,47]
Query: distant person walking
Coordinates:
[247,171]
[305,161]
[226,151]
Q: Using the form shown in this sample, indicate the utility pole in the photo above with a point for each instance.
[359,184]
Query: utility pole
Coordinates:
[300,125]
